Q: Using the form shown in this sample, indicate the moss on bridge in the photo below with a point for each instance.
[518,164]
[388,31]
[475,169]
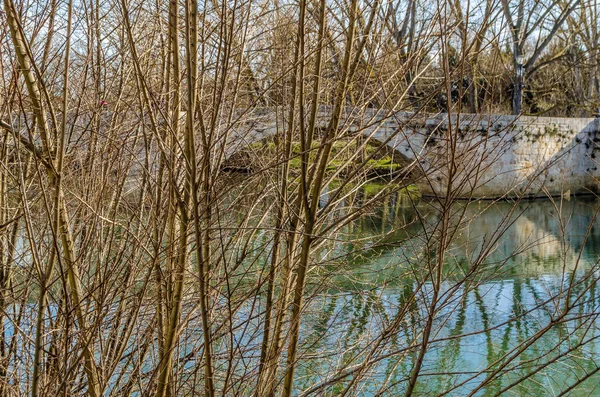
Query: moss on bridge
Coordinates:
[347,155]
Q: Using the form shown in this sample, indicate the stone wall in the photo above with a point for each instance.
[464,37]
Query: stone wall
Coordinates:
[495,155]
[499,155]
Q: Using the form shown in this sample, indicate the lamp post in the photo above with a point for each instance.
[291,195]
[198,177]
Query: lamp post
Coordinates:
[518,94]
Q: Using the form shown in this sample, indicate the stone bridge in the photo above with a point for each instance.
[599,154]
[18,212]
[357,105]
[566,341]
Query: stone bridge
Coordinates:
[494,155]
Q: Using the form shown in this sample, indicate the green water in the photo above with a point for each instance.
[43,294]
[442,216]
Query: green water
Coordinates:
[369,275]
[369,292]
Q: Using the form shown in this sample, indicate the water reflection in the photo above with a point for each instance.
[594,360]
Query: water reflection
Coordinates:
[480,324]
[369,293]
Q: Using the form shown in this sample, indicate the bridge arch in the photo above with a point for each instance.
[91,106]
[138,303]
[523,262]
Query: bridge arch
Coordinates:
[497,155]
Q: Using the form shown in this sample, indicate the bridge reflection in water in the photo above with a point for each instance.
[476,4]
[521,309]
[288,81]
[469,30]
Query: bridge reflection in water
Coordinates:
[515,296]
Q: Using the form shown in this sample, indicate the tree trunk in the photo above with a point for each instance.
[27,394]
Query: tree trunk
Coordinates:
[517,100]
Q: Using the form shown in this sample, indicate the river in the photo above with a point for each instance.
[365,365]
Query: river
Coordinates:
[519,288]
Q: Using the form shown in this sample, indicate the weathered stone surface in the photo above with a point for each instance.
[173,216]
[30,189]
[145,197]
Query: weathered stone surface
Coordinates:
[525,156]
[495,155]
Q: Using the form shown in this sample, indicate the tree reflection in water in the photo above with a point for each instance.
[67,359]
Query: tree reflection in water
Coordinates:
[375,274]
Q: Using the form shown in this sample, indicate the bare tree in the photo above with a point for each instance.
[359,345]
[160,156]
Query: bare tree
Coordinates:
[538,24]
[135,258]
